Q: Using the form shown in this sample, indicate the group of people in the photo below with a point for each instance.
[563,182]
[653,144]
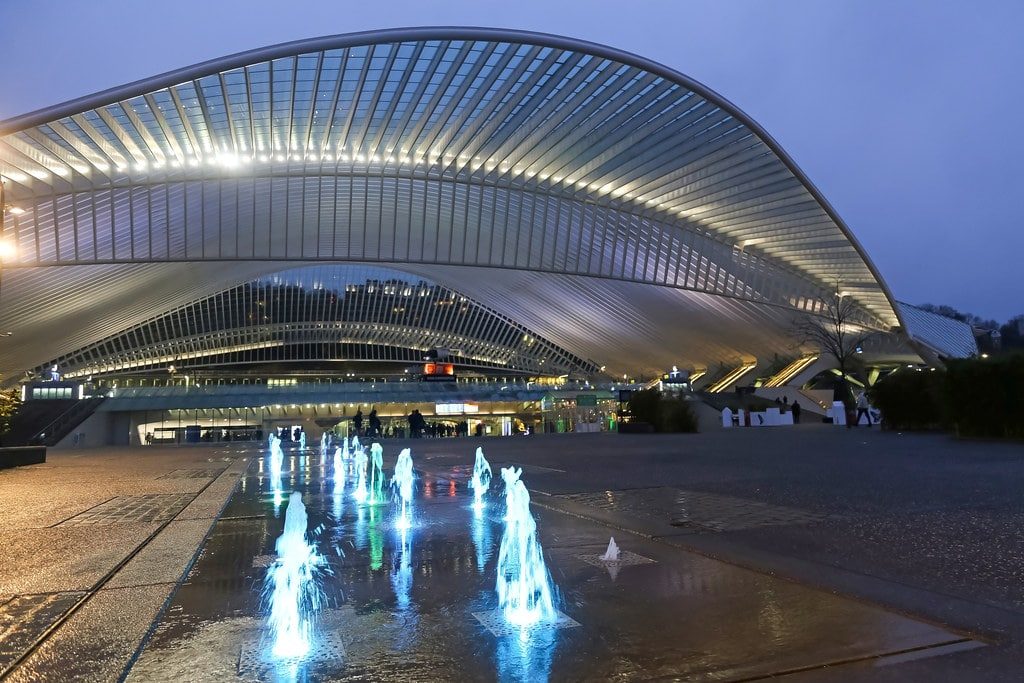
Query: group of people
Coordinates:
[419,427]
[862,405]
[795,408]
[372,429]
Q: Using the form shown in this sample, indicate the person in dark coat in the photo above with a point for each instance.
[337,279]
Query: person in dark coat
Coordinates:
[357,422]
[796,412]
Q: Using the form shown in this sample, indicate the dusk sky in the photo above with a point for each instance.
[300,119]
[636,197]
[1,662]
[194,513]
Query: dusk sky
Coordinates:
[905,114]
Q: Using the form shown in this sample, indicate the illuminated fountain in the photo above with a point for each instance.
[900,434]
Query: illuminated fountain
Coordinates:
[302,440]
[481,480]
[294,594]
[339,472]
[524,585]
[612,553]
[276,465]
[325,444]
[361,490]
[402,482]
[376,470]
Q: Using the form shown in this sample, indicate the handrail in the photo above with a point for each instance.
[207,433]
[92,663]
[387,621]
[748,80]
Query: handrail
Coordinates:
[57,421]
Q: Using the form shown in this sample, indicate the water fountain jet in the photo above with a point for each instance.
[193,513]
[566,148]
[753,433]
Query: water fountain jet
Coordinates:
[360,463]
[612,553]
[294,594]
[481,480]
[402,482]
[376,469]
[525,594]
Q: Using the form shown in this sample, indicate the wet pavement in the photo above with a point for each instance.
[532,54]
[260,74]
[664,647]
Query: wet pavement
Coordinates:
[94,542]
[744,551]
[419,605]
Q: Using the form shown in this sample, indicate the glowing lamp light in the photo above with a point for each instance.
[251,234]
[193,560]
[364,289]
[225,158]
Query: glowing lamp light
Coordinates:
[7,250]
[16,210]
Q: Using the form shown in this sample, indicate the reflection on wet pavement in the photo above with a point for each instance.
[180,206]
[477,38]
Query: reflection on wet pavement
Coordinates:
[707,511]
[400,606]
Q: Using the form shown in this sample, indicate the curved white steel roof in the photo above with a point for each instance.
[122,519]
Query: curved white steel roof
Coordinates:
[617,207]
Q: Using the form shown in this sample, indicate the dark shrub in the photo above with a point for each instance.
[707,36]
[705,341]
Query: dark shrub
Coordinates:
[643,406]
[664,413]
[911,400]
[986,396]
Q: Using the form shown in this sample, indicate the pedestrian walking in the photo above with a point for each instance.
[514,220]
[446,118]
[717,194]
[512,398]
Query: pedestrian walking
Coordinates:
[862,409]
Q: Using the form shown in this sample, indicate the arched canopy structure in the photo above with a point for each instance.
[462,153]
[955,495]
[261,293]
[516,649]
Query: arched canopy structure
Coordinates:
[613,206]
[324,313]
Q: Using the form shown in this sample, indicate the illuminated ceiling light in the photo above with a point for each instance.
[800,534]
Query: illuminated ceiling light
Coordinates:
[176,164]
[100,166]
[141,166]
[328,157]
[263,158]
[280,157]
[8,250]
[193,162]
[16,210]
[344,157]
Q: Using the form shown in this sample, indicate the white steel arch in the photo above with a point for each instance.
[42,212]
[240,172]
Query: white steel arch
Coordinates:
[478,158]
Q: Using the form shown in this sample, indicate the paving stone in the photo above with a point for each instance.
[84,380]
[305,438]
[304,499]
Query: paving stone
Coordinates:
[145,507]
[707,511]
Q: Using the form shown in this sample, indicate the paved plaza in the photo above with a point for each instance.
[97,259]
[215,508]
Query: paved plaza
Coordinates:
[811,554]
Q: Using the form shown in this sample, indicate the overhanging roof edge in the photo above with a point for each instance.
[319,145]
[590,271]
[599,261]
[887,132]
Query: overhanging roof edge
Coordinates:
[240,59]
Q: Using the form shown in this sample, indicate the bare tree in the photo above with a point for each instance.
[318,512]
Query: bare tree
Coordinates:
[837,329]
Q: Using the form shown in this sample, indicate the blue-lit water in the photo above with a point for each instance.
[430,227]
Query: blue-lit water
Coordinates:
[408,576]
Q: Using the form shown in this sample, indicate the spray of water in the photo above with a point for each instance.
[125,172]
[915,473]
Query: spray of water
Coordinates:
[402,483]
[361,492]
[302,440]
[481,480]
[525,594]
[376,474]
[339,471]
[612,553]
[276,465]
[295,595]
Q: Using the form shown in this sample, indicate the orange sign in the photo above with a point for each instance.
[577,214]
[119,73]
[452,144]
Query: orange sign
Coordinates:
[438,369]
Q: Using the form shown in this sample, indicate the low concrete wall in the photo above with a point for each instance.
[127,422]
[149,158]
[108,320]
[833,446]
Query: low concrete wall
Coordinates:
[810,400]
[16,456]
[99,429]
